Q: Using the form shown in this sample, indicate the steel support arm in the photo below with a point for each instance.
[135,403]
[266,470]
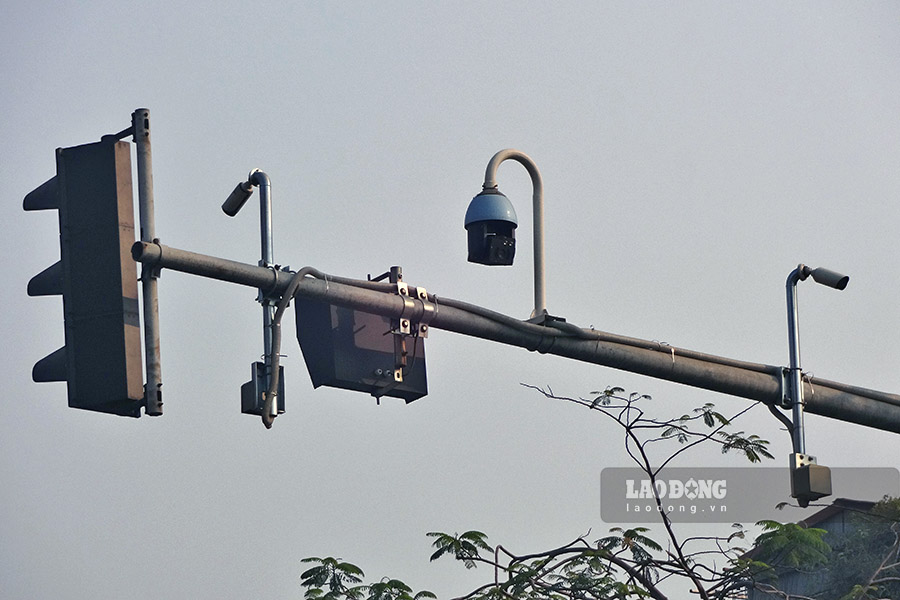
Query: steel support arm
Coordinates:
[753,381]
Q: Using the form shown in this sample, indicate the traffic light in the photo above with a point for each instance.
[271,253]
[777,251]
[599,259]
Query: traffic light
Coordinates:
[97,278]
[355,350]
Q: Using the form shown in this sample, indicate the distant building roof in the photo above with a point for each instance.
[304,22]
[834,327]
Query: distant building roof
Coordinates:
[840,505]
[834,519]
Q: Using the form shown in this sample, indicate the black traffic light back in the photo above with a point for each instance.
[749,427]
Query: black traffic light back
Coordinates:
[97,278]
[355,350]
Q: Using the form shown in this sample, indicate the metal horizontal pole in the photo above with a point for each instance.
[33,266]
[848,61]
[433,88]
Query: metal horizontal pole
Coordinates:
[870,408]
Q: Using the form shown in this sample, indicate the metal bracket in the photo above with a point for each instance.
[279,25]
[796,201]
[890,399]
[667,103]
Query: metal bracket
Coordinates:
[403,324]
[404,327]
[544,318]
[400,327]
[151,272]
[115,137]
[801,460]
[270,296]
[429,311]
[786,396]
[382,390]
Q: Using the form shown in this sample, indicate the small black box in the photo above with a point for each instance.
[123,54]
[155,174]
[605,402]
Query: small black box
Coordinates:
[810,482]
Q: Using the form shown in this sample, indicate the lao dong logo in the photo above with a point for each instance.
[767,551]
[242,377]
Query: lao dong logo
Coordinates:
[676,489]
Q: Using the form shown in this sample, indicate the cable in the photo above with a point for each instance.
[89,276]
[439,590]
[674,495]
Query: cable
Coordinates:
[274,360]
[551,328]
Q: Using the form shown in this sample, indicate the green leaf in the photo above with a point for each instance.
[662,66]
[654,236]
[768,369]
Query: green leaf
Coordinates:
[790,545]
[466,547]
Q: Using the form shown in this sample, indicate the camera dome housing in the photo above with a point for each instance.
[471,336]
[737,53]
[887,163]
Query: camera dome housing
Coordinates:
[491,225]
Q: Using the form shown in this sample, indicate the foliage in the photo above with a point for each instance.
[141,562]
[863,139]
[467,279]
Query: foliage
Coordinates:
[465,547]
[865,564]
[334,579]
[341,579]
[792,546]
[627,563]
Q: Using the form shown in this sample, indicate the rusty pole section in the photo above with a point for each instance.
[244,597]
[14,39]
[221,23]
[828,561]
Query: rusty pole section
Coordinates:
[753,381]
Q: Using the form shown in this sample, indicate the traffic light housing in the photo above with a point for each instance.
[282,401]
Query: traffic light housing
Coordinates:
[97,278]
[356,350]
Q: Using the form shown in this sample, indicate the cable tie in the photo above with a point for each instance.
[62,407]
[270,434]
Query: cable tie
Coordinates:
[669,346]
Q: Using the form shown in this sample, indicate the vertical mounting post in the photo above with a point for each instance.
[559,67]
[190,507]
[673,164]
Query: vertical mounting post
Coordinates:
[140,122]
[809,480]
[262,377]
[798,437]
[261,180]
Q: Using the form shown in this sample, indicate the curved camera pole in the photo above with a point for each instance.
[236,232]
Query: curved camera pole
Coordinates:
[809,480]
[490,181]
[231,206]
[824,277]
[798,438]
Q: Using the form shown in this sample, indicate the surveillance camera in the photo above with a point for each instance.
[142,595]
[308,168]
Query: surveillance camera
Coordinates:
[238,197]
[491,225]
[830,278]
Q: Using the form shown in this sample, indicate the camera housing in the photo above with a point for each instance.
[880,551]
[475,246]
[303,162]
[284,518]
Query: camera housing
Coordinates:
[491,224]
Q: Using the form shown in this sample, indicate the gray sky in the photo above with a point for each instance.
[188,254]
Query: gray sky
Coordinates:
[692,155]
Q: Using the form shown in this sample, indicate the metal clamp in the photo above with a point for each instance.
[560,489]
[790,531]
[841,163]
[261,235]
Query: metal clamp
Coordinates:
[429,311]
[786,394]
[407,325]
[798,460]
[404,324]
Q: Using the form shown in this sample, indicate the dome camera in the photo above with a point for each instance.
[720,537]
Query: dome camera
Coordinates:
[491,225]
